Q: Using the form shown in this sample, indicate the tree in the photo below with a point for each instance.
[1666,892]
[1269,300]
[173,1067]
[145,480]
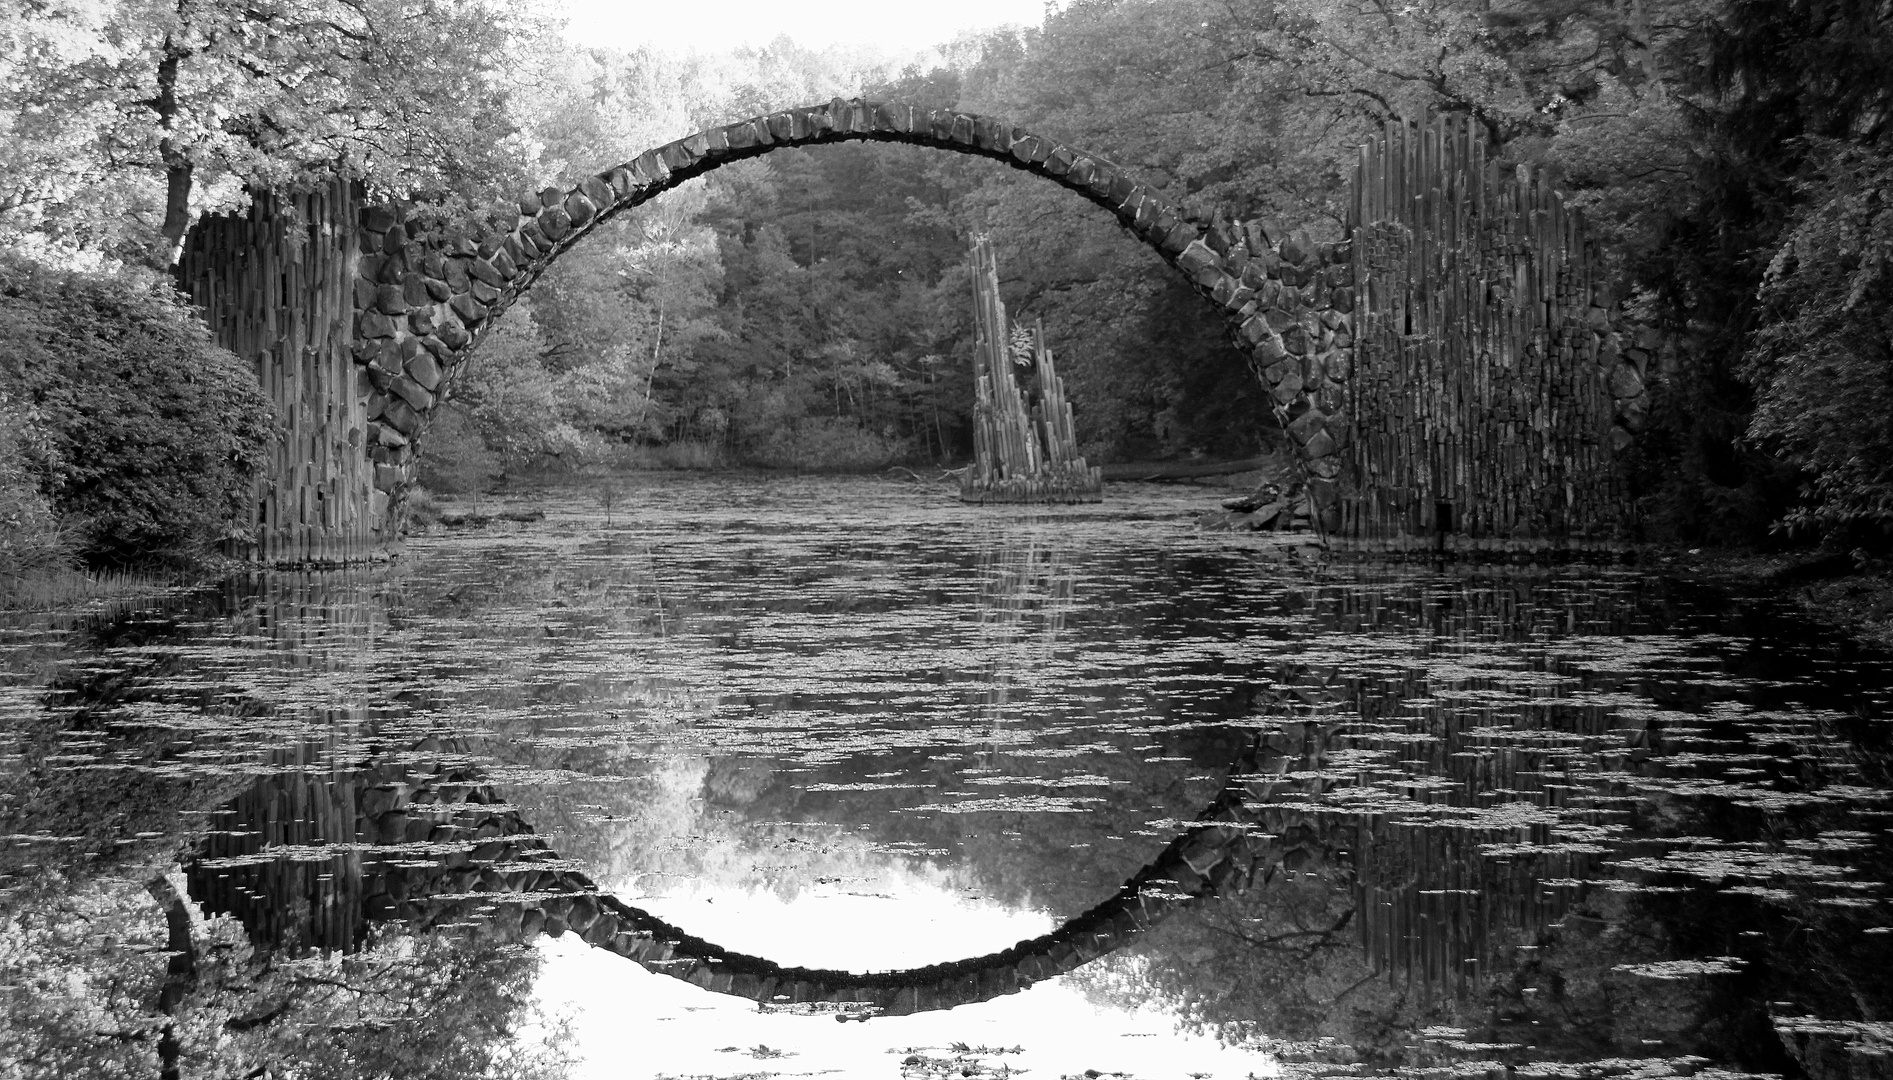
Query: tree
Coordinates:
[161,107]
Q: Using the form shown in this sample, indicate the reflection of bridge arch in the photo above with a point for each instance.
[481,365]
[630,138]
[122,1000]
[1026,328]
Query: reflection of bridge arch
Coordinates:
[312,856]
[424,841]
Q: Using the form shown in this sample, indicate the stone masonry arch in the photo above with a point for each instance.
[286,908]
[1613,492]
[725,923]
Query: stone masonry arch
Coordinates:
[425,293]
[1455,372]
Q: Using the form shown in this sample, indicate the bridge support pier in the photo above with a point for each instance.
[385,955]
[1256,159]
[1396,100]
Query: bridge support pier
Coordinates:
[276,284]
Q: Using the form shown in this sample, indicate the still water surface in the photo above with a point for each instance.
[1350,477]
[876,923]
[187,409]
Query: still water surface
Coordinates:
[1376,819]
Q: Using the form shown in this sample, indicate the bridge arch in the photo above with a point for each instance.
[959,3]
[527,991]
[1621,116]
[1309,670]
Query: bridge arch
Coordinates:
[426,294]
[1457,365]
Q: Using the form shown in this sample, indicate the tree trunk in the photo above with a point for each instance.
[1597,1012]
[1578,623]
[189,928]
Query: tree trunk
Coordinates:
[179,973]
[178,169]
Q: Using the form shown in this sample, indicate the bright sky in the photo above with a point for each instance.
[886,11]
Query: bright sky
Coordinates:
[715,25]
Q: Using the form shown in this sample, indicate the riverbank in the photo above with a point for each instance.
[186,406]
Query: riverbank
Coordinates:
[1831,589]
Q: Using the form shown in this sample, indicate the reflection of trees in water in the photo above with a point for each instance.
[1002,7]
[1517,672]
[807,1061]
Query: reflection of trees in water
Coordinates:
[1481,768]
[147,729]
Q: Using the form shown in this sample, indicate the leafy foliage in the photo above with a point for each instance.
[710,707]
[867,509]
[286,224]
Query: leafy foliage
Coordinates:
[1824,354]
[152,433]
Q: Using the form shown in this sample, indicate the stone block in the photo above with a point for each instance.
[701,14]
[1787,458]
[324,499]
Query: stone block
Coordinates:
[1140,210]
[453,334]
[502,264]
[438,291]
[895,118]
[1030,149]
[374,324]
[716,144]
[990,134]
[411,392]
[1178,236]
[471,311]
[483,271]
[1295,340]
[1625,382]
[1083,172]
[1254,331]
[746,135]
[424,371]
[516,250]
[940,125]
[651,170]
[598,190]
[457,275]
[555,223]
[580,209]
[623,184]
[1255,237]
[536,241]
[1289,388]
[1305,426]
[529,205]
[389,477]
[393,267]
[1119,189]
[1269,351]
[364,294]
[1223,292]
[1319,446]
[677,157]
[414,290]
[1621,439]
[421,320]
[1326,468]
[484,293]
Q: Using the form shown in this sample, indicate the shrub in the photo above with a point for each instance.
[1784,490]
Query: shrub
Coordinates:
[454,457]
[154,434]
[32,539]
[1822,360]
[828,444]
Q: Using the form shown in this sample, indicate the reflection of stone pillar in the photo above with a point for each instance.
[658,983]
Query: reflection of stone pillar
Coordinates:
[1025,593]
[284,857]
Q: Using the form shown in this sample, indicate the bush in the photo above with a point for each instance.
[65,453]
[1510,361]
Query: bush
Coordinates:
[1822,360]
[32,539]
[828,444]
[454,457]
[154,435]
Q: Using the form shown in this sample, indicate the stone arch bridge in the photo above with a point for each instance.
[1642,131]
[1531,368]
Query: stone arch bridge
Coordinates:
[1452,369]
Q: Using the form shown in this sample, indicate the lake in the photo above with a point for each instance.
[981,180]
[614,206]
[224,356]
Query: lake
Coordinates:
[751,775]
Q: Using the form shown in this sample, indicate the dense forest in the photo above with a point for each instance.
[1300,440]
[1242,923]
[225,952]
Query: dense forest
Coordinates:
[811,309]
